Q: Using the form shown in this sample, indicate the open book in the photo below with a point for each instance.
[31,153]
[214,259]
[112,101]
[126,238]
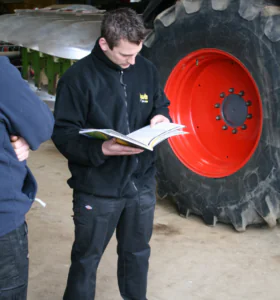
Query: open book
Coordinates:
[144,138]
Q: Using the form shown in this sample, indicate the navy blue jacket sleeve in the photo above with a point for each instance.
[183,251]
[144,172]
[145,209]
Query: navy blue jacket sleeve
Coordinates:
[71,108]
[23,113]
[160,100]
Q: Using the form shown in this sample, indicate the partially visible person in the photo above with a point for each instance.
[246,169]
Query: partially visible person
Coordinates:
[25,123]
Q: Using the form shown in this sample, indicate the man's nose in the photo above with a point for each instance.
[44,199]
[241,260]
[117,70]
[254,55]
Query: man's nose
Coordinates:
[131,60]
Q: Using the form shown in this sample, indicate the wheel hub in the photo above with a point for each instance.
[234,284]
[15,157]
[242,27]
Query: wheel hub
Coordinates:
[234,110]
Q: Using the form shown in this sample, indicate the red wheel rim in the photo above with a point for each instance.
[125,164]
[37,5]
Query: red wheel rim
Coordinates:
[215,96]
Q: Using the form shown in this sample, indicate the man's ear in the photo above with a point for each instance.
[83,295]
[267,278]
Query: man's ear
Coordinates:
[103,44]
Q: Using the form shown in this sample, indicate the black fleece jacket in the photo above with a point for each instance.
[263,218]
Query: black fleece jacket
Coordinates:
[96,93]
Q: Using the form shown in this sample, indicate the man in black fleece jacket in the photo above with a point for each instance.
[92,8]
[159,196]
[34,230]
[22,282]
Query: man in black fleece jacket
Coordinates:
[114,185]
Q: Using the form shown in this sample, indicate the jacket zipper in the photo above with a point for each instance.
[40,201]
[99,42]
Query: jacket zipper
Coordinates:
[125,101]
[127,120]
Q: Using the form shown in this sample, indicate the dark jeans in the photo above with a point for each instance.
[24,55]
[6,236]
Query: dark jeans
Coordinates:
[95,221]
[14,264]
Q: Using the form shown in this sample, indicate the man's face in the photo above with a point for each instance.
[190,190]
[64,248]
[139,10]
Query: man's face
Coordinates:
[123,54]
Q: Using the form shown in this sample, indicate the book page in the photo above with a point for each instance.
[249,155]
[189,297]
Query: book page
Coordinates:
[106,134]
[98,133]
[134,144]
[165,136]
[146,134]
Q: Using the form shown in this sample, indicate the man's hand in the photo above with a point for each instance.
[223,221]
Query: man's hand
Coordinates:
[111,147]
[20,146]
[159,119]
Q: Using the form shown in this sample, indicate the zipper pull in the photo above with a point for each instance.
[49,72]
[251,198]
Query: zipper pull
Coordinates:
[134,186]
[41,202]
[123,84]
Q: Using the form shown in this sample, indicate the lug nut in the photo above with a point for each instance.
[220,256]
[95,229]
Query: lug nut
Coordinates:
[222,95]
[218,118]
[225,127]
[234,131]
[217,105]
[244,127]
[248,103]
[231,90]
[241,93]
[249,116]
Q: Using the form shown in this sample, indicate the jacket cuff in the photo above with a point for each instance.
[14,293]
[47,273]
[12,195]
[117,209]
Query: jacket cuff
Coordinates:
[96,154]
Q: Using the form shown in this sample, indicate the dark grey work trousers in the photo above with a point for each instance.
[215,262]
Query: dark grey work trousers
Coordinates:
[95,220]
[14,264]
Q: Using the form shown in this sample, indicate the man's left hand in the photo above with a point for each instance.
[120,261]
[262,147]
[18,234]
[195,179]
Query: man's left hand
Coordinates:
[159,119]
[20,146]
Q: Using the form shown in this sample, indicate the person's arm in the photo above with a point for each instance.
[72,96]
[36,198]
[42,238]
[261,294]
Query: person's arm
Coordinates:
[160,112]
[71,109]
[23,113]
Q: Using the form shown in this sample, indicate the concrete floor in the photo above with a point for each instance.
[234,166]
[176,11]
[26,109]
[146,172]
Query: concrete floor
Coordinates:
[189,261]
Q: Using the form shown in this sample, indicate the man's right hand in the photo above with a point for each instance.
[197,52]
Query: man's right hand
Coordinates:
[111,148]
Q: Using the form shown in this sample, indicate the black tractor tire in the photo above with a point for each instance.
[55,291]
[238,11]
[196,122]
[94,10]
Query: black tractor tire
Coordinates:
[250,31]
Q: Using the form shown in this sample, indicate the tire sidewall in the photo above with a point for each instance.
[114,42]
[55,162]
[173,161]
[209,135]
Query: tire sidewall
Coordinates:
[246,41]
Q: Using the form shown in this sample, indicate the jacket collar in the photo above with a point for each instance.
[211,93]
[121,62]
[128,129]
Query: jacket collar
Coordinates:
[98,52]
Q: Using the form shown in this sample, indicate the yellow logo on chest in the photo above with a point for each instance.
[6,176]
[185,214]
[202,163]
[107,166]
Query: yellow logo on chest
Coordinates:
[144,98]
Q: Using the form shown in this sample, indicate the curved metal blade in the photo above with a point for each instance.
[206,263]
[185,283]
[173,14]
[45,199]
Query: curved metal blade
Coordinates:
[64,34]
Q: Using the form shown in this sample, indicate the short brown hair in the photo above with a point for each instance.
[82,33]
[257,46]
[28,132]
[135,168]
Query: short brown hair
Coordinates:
[122,23]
